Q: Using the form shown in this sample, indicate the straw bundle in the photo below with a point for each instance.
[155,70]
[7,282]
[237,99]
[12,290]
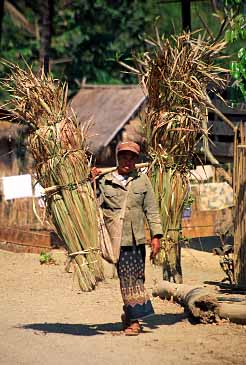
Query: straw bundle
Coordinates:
[59,150]
[176,75]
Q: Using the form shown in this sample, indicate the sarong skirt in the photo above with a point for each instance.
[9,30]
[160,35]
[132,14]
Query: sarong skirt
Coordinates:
[131,268]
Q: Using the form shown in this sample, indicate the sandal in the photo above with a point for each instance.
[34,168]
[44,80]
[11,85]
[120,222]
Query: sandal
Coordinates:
[133,330]
[125,322]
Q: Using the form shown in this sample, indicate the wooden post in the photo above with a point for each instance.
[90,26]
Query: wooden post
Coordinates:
[186,15]
[45,33]
[1,18]
[46,64]
[239,187]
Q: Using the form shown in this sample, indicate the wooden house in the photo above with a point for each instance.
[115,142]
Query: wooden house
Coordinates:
[113,112]
[221,135]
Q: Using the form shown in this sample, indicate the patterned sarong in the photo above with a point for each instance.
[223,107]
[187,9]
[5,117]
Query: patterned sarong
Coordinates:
[131,267]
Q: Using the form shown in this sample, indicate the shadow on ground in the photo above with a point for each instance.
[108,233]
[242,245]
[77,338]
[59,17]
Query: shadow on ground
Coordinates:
[102,328]
[207,244]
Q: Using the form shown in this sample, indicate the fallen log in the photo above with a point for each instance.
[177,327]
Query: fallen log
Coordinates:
[201,303]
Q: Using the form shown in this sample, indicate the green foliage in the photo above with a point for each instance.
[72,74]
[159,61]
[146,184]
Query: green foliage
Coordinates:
[92,33]
[46,258]
[238,71]
[87,36]
[233,3]
[238,31]
[189,200]
[234,35]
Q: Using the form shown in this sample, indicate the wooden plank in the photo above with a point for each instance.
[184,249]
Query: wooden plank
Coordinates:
[21,248]
[207,223]
[195,232]
[200,224]
[220,128]
[222,149]
[28,238]
[240,109]
[201,218]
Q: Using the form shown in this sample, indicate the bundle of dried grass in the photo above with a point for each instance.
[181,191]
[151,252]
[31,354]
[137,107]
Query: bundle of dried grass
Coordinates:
[176,76]
[60,154]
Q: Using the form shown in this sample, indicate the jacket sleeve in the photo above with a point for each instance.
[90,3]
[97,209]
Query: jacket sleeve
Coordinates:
[151,211]
[98,189]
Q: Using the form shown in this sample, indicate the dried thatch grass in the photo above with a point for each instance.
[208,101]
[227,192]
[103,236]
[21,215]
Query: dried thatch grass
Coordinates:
[59,150]
[176,75]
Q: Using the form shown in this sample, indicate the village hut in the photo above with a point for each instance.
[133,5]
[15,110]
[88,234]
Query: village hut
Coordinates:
[11,138]
[114,112]
[221,135]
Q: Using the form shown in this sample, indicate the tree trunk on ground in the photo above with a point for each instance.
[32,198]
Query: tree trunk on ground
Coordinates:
[201,303]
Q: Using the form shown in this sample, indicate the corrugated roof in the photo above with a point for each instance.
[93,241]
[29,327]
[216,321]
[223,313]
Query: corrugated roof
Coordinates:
[109,108]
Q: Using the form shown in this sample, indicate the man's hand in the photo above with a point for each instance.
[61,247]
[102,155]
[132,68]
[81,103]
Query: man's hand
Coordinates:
[155,247]
[95,172]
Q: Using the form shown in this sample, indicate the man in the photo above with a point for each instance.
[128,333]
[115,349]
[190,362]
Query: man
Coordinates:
[128,184]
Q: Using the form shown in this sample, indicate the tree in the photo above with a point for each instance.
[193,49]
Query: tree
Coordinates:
[238,67]
[46,8]
[87,37]
[1,17]
[233,28]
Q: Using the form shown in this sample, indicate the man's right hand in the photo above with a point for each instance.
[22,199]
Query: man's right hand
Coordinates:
[95,172]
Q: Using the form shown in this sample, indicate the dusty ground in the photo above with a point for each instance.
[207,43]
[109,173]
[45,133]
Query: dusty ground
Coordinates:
[45,319]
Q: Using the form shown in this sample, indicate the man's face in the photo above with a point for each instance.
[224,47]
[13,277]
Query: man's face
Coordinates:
[127,161]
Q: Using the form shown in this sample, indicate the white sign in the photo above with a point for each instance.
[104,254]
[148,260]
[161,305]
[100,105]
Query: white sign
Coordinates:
[15,187]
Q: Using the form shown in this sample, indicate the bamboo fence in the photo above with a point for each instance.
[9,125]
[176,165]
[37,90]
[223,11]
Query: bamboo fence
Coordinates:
[58,146]
[239,187]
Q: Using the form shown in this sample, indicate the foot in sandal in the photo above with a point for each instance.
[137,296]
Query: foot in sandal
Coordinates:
[125,321]
[133,330]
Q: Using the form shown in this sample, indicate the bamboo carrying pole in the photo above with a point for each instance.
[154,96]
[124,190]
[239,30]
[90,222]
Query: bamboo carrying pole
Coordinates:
[103,171]
[201,303]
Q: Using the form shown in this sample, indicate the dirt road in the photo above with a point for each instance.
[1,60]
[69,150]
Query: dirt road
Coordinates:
[45,319]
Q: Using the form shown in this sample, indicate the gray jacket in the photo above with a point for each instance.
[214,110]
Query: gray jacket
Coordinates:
[141,206]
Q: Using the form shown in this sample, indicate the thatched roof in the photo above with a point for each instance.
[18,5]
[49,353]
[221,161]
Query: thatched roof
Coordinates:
[109,108]
[8,128]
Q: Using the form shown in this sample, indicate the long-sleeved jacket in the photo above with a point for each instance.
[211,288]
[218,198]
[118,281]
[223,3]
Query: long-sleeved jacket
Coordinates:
[141,204]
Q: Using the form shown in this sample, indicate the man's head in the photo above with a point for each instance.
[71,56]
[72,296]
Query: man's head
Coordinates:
[127,154]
